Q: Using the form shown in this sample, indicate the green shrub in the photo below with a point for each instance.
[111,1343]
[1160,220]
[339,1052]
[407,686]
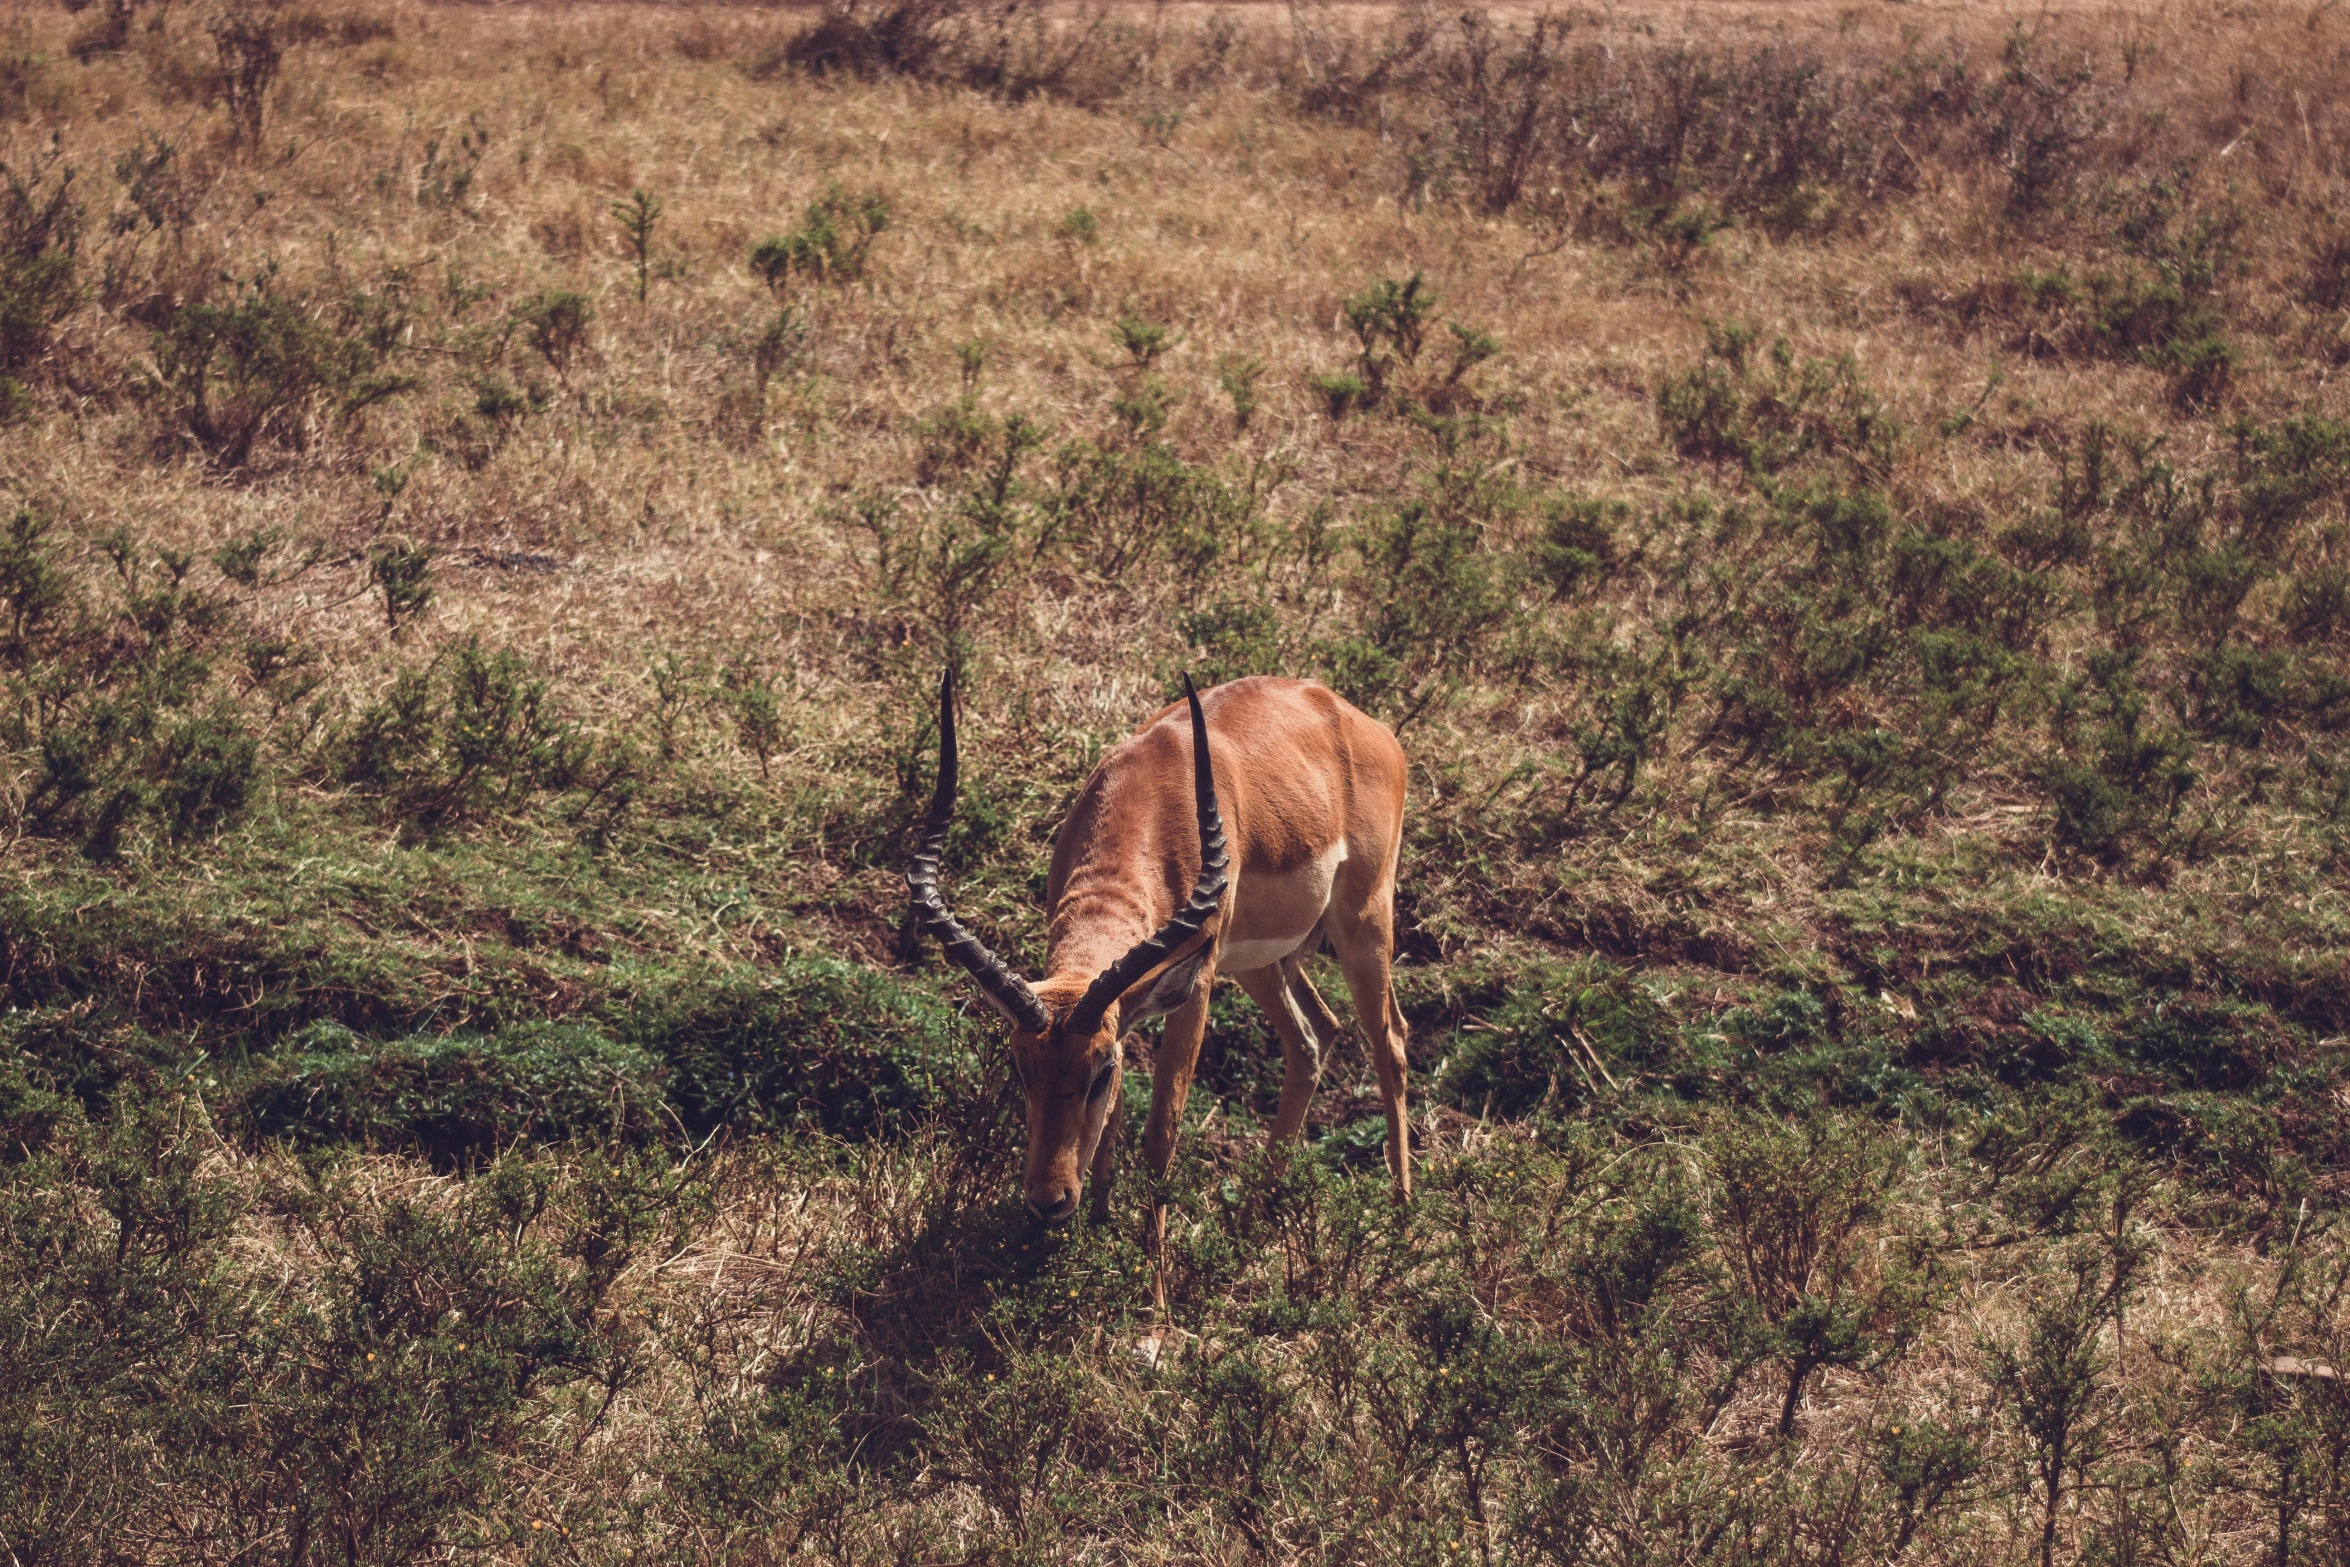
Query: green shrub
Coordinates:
[1578,543]
[1142,338]
[250,55]
[1341,394]
[2121,781]
[371,1404]
[72,1060]
[474,730]
[813,1039]
[1390,321]
[31,1112]
[1434,587]
[40,235]
[1770,413]
[770,1472]
[118,710]
[1555,1041]
[110,1284]
[401,572]
[2037,119]
[2163,307]
[949,561]
[637,217]
[442,181]
[1121,510]
[757,708]
[558,321]
[239,376]
[1238,374]
[878,37]
[1010,52]
[2053,1377]
[1227,638]
[1790,1208]
[1142,408]
[104,33]
[2327,283]
[458,1099]
[2206,1042]
[834,236]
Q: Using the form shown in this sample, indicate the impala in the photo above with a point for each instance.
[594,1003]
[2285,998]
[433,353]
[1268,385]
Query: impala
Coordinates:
[1240,842]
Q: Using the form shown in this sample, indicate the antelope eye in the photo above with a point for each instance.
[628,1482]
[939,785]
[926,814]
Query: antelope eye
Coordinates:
[1101,1080]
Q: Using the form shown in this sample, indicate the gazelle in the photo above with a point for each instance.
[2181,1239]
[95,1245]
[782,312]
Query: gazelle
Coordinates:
[1151,895]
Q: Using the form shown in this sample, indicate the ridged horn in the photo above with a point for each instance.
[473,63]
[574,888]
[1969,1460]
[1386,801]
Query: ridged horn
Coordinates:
[966,951]
[1207,894]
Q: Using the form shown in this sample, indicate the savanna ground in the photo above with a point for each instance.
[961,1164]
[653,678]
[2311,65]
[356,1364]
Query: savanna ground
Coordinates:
[1845,509]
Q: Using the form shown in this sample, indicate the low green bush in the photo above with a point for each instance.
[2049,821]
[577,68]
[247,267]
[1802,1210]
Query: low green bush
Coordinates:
[458,1100]
[239,376]
[169,1398]
[1558,1039]
[122,703]
[813,1039]
[40,238]
[1766,412]
[478,729]
[830,245]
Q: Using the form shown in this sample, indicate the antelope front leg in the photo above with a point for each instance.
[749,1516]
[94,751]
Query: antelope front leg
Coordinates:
[1105,1153]
[1178,1057]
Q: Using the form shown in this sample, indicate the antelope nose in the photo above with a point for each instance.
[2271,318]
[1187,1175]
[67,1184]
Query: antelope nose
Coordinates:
[1056,1207]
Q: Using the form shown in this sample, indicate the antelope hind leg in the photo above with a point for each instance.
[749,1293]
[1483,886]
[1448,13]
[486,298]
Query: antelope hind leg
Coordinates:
[1309,1000]
[1301,1048]
[1365,940]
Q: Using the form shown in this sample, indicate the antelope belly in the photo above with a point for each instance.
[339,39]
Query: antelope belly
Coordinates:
[1278,913]
[1237,957]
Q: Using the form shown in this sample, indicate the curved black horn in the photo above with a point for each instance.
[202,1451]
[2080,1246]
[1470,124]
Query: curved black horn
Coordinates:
[1207,894]
[966,951]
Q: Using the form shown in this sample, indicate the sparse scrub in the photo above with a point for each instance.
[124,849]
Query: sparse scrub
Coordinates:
[1012,52]
[237,377]
[402,573]
[445,178]
[1142,338]
[474,730]
[250,56]
[40,238]
[558,320]
[1238,376]
[638,216]
[1847,514]
[1792,1205]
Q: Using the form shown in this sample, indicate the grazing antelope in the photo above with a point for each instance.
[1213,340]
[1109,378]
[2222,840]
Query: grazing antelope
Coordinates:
[1151,895]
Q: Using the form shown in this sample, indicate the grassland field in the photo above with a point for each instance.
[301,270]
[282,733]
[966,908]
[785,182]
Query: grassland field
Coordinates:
[1844,506]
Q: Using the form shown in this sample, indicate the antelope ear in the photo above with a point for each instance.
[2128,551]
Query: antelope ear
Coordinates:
[1169,983]
[1174,985]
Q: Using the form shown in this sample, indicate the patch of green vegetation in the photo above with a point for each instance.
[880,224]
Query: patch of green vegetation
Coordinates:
[457,1099]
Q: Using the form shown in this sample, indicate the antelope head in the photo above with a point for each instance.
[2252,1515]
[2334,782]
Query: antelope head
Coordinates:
[1067,1030]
